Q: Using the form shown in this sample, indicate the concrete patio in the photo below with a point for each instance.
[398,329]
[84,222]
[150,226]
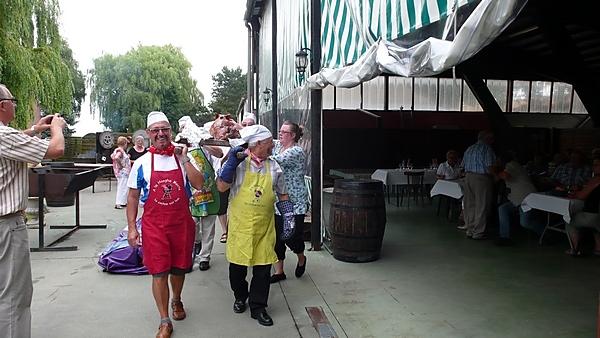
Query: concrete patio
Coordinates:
[430,282]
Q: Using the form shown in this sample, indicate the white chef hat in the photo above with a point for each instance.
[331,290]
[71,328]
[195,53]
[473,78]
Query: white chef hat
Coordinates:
[249,116]
[156,116]
[184,121]
[255,133]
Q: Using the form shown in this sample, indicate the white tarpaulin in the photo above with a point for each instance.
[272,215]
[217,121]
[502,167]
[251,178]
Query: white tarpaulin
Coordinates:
[429,57]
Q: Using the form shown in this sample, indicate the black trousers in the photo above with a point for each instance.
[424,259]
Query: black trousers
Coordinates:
[296,243]
[259,286]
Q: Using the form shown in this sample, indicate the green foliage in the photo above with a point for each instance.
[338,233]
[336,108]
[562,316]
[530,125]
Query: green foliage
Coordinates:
[127,87]
[229,86]
[77,77]
[33,68]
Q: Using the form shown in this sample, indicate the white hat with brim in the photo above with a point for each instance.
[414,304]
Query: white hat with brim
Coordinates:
[255,133]
[156,116]
[250,116]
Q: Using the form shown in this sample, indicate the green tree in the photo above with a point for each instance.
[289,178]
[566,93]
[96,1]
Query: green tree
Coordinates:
[229,86]
[77,78]
[127,87]
[31,62]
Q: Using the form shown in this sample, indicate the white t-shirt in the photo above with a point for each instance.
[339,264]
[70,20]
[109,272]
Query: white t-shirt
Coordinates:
[139,177]
[519,183]
[449,172]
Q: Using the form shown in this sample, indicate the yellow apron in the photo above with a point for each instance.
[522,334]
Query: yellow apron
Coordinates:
[251,233]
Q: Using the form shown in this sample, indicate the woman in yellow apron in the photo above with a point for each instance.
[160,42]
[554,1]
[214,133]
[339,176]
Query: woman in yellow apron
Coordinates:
[254,180]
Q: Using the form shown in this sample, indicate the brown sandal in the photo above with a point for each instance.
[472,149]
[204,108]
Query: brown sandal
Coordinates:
[178,310]
[164,330]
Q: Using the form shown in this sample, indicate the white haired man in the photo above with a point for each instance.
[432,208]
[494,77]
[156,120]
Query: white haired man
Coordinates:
[479,163]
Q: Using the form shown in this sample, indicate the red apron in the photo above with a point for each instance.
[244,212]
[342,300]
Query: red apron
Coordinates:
[168,229]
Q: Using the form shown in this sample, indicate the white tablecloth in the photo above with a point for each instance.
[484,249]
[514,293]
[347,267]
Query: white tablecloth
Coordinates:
[448,188]
[397,177]
[565,207]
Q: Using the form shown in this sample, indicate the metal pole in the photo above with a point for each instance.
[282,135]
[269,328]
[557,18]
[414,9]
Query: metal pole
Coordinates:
[41,196]
[316,111]
[249,72]
[274,98]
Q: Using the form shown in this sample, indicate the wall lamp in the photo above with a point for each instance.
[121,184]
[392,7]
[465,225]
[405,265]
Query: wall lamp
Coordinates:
[267,95]
[302,61]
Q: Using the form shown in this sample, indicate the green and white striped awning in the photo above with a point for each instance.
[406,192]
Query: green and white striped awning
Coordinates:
[350,27]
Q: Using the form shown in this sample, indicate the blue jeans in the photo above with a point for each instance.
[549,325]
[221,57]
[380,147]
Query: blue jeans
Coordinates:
[529,220]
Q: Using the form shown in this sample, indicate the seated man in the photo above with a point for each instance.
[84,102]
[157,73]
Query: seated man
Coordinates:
[589,217]
[449,170]
[572,175]
[519,186]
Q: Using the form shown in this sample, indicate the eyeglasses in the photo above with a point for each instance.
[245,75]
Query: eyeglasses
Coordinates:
[157,130]
[13,100]
[284,132]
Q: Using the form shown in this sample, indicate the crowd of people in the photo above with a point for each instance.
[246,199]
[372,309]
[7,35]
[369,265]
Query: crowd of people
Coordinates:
[495,186]
[256,189]
[185,186]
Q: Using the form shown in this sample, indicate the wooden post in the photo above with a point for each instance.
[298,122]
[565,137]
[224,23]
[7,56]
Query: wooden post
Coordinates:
[316,104]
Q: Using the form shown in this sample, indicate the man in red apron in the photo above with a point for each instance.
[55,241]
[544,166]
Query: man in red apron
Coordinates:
[161,179]
[254,181]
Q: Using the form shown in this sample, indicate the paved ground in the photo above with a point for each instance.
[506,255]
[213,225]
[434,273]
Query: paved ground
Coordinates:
[430,282]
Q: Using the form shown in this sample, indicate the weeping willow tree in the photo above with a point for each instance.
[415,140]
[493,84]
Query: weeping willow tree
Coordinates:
[35,62]
[125,88]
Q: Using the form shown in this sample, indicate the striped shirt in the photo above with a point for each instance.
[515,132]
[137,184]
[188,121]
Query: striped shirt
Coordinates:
[567,174]
[478,158]
[16,150]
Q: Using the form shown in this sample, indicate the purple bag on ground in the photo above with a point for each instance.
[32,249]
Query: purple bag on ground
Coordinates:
[286,209]
[119,257]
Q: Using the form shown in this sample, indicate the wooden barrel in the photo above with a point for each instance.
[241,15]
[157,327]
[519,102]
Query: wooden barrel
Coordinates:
[357,220]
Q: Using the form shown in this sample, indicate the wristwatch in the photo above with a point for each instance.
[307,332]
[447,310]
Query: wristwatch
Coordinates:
[33,129]
[185,160]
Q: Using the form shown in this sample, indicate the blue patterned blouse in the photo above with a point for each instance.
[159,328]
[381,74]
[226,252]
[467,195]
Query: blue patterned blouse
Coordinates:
[292,162]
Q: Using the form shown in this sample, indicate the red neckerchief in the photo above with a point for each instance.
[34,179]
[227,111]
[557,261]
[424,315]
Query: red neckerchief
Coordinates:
[167,151]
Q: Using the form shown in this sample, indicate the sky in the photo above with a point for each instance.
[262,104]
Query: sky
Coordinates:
[210,33]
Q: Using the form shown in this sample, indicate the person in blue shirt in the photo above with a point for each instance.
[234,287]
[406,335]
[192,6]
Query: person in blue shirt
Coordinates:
[479,164]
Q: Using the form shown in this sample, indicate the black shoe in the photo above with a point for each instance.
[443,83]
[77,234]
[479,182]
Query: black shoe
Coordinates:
[277,277]
[263,318]
[479,237]
[503,241]
[300,269]
[203,266]
[239,306]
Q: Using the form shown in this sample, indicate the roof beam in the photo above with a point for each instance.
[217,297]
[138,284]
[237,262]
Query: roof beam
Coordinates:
[498,121]
[563,46]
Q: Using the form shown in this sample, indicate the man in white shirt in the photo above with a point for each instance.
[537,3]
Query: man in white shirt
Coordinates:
[519,185]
